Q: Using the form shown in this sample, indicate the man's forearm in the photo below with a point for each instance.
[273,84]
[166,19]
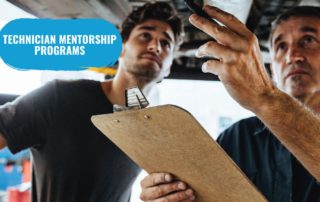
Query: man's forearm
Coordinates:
[296,126]
[3,142]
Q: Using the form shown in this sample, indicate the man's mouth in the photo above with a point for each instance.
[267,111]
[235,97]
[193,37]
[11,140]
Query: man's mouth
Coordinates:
[297,72]
[151,57]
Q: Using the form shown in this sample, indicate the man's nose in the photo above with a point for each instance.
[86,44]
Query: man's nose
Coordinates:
[154,46]
[294,54]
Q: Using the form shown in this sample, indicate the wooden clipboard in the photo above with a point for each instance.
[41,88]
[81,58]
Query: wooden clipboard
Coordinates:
[169,139]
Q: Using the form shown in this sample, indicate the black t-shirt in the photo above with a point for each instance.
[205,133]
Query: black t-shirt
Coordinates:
[72,160]
[267,163]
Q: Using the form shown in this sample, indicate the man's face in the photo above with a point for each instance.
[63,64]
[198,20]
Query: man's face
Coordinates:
[148,52]
[295,53]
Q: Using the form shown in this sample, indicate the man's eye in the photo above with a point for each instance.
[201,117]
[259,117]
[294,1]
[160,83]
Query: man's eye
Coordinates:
[307,40]
[165,43]
[280,47]
[145,36]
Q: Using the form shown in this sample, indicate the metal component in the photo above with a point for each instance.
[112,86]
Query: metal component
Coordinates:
[119,108]
[134,100]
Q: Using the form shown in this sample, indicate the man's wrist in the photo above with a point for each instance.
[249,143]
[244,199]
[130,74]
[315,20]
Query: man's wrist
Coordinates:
[269,102]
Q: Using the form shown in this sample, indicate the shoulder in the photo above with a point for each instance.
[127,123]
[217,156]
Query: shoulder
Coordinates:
[251,124]
[71,88]
[241,130]
[57,91]
[81,83]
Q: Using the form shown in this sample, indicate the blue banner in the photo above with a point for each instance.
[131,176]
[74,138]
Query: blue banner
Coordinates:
[64,44]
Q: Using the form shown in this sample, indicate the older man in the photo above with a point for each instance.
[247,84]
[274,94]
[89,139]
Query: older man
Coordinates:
[279,150]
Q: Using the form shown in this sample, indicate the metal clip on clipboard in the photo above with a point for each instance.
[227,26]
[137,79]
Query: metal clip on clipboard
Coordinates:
[135,99]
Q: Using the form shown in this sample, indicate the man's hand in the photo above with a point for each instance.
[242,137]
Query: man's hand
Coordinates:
[161,187]
[239,65]
[241,70]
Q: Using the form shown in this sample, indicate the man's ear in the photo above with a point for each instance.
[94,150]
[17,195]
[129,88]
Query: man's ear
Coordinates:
[123,50]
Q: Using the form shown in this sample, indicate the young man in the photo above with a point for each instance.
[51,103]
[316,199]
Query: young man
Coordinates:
[279,150]
[72,160]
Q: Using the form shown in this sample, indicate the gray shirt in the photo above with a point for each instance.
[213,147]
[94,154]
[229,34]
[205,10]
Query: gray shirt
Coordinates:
[72,160]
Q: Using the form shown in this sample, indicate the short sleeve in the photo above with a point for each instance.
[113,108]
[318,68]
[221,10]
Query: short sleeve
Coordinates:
[25,121]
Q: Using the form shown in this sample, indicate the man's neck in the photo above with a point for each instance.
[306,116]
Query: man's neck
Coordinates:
[114,89]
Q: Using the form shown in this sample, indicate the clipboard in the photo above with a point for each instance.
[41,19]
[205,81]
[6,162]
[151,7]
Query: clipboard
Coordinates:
[169,139]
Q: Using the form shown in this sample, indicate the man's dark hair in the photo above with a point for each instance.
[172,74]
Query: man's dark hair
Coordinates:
[157,11]
[299,11]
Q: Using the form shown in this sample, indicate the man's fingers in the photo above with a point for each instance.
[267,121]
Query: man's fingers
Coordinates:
[228,20]
[155,179]
[216,50]
[161,190]
[213,67]
[189,200]
[181,196]
[160,187]
[222,34]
